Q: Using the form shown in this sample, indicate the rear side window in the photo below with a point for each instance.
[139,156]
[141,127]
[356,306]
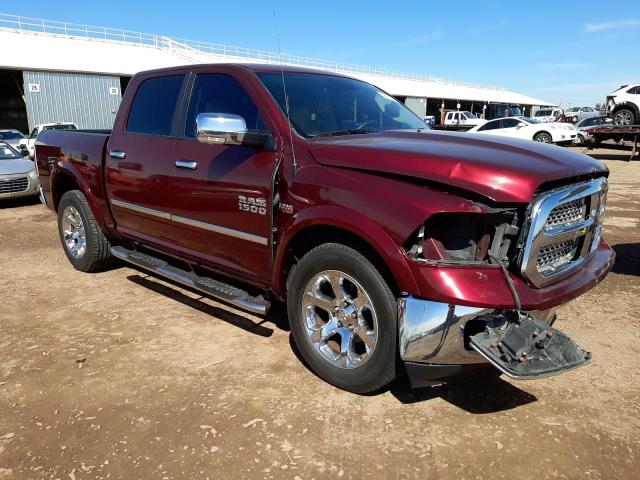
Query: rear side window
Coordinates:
[221,93]
[154,105]
[496,124]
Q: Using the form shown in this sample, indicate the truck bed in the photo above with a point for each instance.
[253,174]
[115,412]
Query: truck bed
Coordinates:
[74,155]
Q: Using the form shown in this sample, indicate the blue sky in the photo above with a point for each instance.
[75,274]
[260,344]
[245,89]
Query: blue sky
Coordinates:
[560,51]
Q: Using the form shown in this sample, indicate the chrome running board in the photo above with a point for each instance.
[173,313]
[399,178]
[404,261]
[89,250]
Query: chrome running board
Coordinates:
[209,286]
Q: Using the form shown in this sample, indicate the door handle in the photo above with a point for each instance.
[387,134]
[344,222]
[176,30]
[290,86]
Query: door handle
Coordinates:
[188,164]
[117,154]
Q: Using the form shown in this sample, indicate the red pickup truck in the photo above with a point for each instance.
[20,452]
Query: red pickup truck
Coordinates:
[396,248]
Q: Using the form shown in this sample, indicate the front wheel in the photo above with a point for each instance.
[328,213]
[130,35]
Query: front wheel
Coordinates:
[543,137]
[83,241]
[580,140]
[343,318]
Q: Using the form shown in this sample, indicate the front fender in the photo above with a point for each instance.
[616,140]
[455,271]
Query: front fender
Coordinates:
[353,222]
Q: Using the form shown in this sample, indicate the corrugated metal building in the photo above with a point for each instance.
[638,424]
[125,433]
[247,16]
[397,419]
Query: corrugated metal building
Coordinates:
[91,101]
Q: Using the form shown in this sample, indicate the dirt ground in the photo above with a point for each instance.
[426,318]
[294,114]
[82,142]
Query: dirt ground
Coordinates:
[121,375]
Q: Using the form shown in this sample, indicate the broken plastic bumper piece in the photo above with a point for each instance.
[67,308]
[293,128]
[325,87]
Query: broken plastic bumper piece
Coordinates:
[523,347]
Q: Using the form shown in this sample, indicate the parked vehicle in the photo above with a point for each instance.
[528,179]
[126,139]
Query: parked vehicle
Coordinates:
[18,177]
[501,110]
[583,126]
[530,129]
[575,114]
[12,137]
[623,105]
[29,143]
[461,120]
[387,241]
[545,115]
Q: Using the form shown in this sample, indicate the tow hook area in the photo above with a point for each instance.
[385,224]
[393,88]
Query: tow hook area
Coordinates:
[523,347]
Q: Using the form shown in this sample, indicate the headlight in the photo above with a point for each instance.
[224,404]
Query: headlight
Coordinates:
[33,175]
[463,237]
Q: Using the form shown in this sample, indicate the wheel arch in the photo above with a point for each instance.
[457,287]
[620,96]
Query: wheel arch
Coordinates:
[68,178]
[330,225]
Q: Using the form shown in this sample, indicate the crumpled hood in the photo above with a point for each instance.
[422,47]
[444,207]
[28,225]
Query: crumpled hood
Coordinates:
[501,169]
[13,166]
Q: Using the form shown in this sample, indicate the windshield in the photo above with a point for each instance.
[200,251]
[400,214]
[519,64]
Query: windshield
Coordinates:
[10,135]
[530,120]
[63,126]
[574,109]
[7,152]
[331,105]
[543,113]
[469,115]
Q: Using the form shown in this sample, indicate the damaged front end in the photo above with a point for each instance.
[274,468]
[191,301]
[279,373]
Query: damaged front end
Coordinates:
[438,341]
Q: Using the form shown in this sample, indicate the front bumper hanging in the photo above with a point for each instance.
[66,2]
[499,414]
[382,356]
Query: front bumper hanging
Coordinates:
[443,338]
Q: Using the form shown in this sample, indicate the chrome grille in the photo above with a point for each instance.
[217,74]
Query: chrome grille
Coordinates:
[556,254]
[562,231]
[13,185]
[566,214]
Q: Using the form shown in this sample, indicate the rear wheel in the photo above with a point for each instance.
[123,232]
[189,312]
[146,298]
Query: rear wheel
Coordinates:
[343,318]
[83,241]
[624,117]
[543,137]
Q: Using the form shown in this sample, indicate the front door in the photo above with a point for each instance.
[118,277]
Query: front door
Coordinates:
[138,164]
[221,194]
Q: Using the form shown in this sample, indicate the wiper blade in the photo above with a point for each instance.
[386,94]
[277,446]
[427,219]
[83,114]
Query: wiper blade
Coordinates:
[345,132]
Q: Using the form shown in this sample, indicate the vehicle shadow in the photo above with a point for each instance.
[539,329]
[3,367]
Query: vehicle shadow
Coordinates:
[475,394]
[478,394]
[627,259]
[19,202]
[149,282]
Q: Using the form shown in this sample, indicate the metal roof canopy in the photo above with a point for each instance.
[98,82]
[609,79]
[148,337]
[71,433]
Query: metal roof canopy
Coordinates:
[61,46]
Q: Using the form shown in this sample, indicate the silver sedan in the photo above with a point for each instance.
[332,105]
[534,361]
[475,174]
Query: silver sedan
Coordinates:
[18,176]
[584,125]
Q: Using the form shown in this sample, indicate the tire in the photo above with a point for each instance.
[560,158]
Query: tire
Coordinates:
[624,117]
[543,137]
[322,329]
[82,240]
[580,140]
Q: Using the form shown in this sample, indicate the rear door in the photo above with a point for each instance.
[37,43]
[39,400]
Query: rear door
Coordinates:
[222,206]
[138,163]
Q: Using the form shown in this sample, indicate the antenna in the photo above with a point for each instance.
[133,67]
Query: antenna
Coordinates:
[286,97]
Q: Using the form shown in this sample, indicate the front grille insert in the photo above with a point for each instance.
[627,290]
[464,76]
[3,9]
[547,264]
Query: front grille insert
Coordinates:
[556,254]
[563,230]
[14,185]
[566,214]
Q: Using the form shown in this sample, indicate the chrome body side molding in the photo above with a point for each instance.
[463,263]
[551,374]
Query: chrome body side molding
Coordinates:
[250,237]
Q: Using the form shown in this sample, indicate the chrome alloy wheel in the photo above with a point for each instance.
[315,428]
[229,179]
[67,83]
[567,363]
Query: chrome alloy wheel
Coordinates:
[73,231]
[623,118]
[543,138]
[340,320]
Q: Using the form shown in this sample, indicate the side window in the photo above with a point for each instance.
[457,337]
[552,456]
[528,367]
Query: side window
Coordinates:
[221,93]
[509,123]
[492,125]
[154,105]
[634,90]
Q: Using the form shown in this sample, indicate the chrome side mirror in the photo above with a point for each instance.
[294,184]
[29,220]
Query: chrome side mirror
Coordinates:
[220,128]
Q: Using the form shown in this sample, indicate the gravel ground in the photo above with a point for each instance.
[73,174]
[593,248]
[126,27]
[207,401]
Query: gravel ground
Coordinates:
[120,375]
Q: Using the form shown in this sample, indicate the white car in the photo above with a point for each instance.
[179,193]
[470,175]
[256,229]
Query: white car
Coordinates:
[548,114]
[30,143]
[462,119]
[623,105]
[530,129]
[576,114]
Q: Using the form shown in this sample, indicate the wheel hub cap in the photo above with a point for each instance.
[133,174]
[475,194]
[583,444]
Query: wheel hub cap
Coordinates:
[340,320]
[73,232]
